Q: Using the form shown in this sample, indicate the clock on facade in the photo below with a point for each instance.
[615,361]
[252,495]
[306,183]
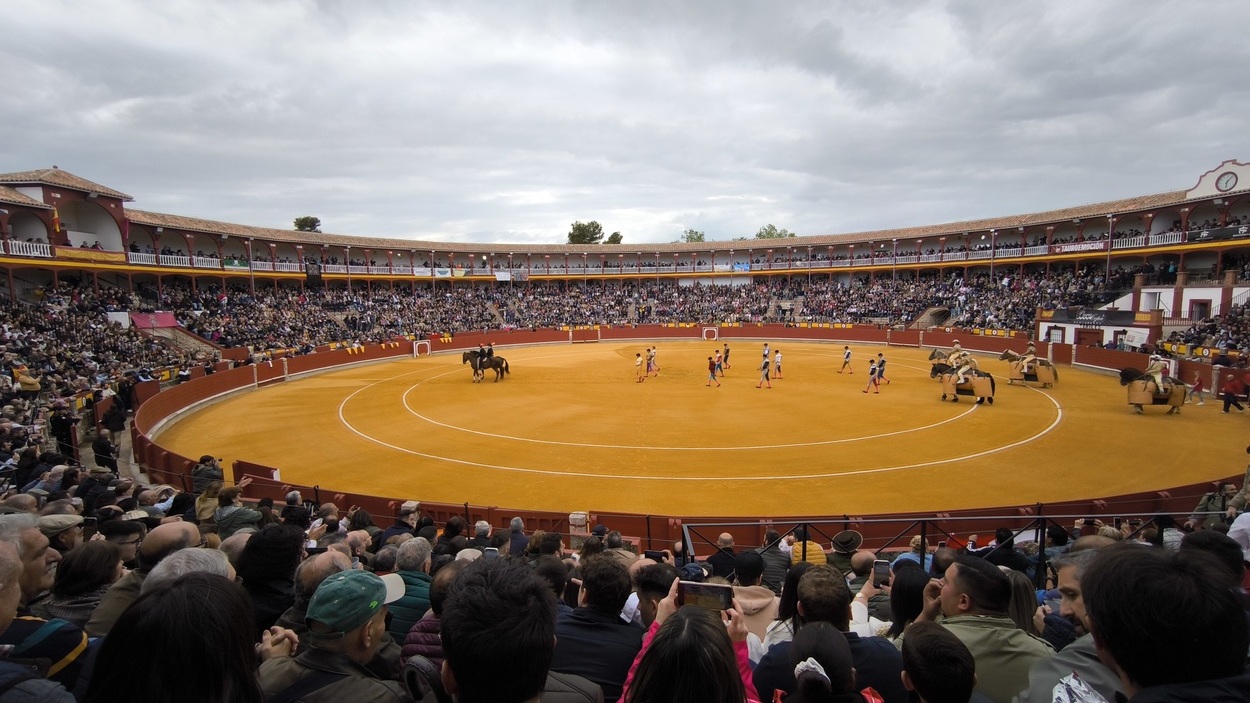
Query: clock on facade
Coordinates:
[1226,182]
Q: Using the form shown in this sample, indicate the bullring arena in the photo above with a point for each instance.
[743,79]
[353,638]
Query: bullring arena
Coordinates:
[569,428]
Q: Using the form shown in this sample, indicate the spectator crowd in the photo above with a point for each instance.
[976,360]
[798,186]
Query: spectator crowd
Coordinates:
[112,590]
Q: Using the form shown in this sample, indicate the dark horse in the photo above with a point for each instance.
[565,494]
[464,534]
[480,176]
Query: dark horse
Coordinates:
[946,373]
[496,363]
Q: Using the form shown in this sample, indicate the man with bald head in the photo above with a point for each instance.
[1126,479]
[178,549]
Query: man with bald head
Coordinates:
[22,503]
[311,572]
[162,541]
[723,560]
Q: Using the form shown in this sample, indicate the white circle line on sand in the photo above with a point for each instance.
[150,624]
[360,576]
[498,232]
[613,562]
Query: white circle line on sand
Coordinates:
[635,447]
[585,474]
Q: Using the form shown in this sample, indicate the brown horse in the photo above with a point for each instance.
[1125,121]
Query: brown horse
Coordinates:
[498,364]
[1041,372]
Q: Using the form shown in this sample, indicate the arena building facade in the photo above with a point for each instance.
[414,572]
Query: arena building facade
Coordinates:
[1187,243]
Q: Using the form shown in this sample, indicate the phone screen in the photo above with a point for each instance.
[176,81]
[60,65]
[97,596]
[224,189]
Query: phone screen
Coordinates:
[709,596]
[654,554]
[880,573]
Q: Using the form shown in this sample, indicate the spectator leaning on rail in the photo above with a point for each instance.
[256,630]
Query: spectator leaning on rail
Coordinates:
[1214,507]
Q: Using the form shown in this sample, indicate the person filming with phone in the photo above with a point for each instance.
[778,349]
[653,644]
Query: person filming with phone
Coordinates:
[714,641]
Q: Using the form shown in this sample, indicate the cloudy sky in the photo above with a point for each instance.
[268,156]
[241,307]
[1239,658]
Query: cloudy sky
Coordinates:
[507,121]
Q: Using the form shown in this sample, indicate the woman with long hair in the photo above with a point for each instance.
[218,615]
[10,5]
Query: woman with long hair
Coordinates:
[691,656]
[906,600]
[1023,602]
[782,629]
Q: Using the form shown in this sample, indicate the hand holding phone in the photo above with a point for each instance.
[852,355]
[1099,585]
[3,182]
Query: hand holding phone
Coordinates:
[880,573]
[709,596]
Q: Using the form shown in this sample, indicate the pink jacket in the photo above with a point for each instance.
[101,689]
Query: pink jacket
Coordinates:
[740,653]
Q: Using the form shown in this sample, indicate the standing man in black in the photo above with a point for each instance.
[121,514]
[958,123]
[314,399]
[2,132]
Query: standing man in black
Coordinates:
[64,426]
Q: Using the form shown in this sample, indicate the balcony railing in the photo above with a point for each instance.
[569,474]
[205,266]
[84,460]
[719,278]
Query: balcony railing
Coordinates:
[16,248]
[654,267]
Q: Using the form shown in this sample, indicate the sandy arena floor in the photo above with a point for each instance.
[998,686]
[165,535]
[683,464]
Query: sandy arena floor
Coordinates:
[569,429]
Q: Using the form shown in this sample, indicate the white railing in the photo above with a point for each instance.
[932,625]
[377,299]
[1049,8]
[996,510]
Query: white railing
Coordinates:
[205,262]
[175,260]
[136,257]
[262,265]
[402,270]
[930,258]
[17,248]
[334,268]
[352,268]
[983,254]
[955,256]
[1128,243]
[1163,238]
[380,269]
[1036,251]
[290,266]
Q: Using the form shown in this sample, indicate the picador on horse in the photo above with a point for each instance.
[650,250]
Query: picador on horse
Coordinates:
[1028,367]
[484,358]
[1153,386]
[959,375]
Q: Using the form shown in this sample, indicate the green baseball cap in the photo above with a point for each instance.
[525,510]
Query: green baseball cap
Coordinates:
[347,600]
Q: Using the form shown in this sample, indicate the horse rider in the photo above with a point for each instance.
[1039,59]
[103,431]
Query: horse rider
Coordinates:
[964,365]
[1029,358]
[490,350]
[1155,372]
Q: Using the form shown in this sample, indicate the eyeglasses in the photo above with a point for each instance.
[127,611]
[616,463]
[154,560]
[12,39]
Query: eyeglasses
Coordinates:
[203,543]
[135,542]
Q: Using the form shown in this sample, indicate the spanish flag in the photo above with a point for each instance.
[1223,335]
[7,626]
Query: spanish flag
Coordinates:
[56,220]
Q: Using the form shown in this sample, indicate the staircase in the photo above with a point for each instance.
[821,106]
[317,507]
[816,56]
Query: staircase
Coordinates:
[932,317]
[179,338]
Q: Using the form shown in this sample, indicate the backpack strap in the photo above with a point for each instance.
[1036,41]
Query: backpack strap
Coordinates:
[313,682]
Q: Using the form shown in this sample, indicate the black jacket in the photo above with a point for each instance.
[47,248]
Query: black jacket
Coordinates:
[597,646]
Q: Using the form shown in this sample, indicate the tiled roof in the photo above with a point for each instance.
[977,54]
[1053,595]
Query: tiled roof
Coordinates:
[1010,222]
[56,177]
[9,195]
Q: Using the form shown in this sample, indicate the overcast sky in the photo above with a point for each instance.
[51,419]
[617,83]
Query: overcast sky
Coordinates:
[507,121]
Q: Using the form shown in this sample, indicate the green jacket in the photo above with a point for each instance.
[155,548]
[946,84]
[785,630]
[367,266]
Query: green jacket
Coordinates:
[411,607]
[358,684]
[1003,652]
